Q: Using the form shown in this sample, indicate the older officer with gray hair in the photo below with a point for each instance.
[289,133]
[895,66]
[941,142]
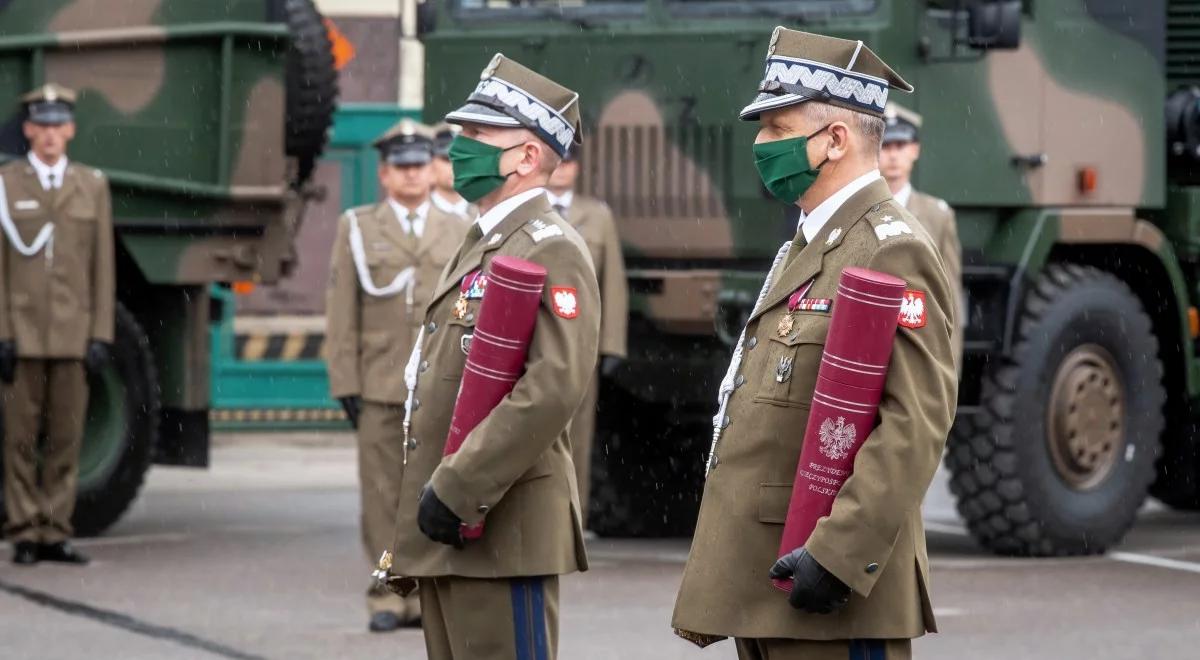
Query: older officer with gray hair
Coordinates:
[860,583]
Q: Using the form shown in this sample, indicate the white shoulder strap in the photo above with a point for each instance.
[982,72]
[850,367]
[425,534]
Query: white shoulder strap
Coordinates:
[403,280]
[44,238]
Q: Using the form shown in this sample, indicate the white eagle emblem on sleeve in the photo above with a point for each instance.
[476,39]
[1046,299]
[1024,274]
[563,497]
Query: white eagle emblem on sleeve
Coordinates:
[912,309]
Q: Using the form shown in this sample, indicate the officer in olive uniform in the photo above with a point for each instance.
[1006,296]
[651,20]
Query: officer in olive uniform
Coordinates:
[496,597]
[901,149]
[57,293]
[386,261]
[594,221]
[861,581]
[444,196]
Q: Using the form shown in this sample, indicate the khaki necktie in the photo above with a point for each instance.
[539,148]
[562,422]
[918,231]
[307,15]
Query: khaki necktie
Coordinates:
[561,211]
[473,236]
[410,230]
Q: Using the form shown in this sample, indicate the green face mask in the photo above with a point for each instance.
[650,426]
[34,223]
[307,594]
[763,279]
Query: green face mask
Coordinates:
[783,166]
[476,167]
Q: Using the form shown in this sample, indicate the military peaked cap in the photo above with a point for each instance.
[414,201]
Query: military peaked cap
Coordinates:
[802,66]
[902,124]
[406,143]
[512,95]
[51,104]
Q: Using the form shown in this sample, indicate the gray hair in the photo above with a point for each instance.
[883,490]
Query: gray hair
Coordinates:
[869,127]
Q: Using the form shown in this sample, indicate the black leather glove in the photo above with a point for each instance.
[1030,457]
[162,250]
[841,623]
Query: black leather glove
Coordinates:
[609,365]
[814,589]
[437,521]
[8,362]
[97,356]
[353,406]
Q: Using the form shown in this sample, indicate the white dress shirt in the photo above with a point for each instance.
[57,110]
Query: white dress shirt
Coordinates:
[49,177]
[811,223]
[458,208]
[563,200]
[488,221]
[903,195]
[417,227]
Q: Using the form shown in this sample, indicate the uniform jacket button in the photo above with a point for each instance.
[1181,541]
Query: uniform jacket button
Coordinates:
[424,366]
[739,381]
[872,567]
[725,422]
[470,317]
[412,443]
[483,508]
[416,403]
[753,342]
[431,328]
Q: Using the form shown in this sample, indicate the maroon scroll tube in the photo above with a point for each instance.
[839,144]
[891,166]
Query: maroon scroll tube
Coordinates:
[845,403]
[499,346]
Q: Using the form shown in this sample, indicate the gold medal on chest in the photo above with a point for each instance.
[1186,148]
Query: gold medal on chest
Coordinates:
[785,324]
[460,307]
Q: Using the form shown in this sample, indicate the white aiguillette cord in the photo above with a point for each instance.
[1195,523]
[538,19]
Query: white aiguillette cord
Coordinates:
[45,237]
[404,279]
[726,389]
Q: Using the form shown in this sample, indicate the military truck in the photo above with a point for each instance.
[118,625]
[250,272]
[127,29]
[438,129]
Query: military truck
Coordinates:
[1065,133]
[207,118]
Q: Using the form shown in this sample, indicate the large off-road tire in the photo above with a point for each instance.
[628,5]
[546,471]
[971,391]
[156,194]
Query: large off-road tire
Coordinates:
[312,85]
[122,430]
[647,475]
[1060,458]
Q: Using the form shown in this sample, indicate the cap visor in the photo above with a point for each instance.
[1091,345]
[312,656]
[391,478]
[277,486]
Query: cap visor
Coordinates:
[409,158]
[50,117]
[899,135]
[477,113]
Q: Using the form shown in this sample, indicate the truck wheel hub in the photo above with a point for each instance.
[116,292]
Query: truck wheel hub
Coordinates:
[1087,413]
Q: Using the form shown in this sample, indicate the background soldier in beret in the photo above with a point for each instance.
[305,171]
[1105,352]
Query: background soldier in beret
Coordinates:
[861,582]
[56,323]
[496,597]
[444,196]
[901,149]
[593,220]
[379,282]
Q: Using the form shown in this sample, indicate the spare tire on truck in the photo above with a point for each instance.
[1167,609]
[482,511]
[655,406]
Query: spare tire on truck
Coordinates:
[312,86]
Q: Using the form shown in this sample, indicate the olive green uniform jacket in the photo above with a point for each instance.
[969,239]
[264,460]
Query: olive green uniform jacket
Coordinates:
[368,338]
[939,221]
[515,467]
[873,540]
[53,302]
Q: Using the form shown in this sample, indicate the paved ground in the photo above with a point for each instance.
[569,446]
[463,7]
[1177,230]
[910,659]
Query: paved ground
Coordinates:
[259,558]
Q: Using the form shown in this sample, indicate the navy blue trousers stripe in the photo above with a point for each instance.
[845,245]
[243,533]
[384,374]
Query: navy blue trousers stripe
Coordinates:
[867,649]
[529,618]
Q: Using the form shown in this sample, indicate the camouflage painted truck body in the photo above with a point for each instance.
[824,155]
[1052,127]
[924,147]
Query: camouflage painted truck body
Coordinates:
[190,109]
[1081,247]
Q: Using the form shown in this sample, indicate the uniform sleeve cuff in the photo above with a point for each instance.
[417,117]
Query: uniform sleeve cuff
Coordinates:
[858,564]
[454,492]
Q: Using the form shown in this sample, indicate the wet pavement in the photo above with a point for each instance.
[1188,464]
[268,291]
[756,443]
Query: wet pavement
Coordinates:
[259,557]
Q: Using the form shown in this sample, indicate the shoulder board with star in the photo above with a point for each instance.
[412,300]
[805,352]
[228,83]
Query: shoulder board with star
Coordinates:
[888,222]
[540,230]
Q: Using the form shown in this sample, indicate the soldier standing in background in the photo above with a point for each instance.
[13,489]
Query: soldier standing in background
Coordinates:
[56,323]
[900,151]
[386,260]
[444,196]
[860,583]
[594,221]
[496,597]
